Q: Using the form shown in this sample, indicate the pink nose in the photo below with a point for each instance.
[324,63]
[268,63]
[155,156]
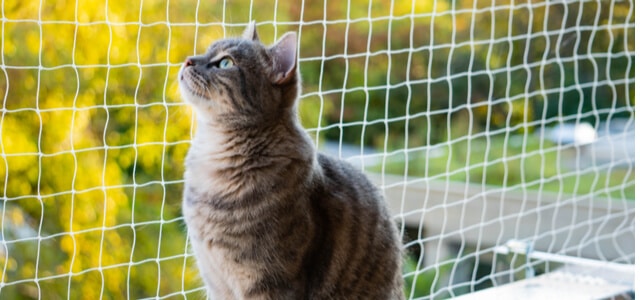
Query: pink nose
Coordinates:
[188,62]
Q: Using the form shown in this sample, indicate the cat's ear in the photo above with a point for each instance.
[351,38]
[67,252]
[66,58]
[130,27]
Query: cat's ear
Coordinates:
[284,54]
[250,32]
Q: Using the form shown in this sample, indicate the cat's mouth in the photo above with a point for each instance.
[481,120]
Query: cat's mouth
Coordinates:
[193,84]
[191,88]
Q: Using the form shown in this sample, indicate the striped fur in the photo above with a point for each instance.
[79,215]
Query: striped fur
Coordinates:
[268,217]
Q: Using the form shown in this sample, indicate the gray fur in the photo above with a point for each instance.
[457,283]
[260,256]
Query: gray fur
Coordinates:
[268,217]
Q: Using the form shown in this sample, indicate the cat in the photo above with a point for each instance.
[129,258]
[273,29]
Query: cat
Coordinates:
[267,216]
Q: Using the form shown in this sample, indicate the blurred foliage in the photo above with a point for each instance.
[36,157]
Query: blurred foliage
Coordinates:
[93,133]
[418,282]
[512,67]
[517,161]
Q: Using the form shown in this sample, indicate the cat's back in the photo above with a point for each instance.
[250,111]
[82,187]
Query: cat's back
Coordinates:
[347,184]
[358,251]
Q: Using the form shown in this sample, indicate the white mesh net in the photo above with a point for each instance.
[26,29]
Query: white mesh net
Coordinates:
[483,122]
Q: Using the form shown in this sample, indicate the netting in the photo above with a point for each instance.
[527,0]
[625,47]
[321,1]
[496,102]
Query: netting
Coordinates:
[482,121]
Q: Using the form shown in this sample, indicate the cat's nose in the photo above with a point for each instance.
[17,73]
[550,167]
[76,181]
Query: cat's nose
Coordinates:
[188,62]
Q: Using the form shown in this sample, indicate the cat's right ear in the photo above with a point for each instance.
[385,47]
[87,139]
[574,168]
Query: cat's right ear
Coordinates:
[250,32]
[284,54]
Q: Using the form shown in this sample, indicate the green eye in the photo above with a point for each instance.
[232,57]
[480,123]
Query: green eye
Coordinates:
[225,63]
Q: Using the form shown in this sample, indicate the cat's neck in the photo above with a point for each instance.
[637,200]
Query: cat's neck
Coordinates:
[229,157]
[221,139]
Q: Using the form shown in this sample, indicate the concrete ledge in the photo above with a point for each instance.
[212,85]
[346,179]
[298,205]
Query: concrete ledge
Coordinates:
[486,216]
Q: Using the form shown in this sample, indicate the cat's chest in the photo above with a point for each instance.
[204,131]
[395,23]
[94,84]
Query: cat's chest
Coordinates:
[205,180]
[218,240]
[226,277]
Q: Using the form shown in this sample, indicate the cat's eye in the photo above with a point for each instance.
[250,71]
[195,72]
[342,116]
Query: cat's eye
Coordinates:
[225,63]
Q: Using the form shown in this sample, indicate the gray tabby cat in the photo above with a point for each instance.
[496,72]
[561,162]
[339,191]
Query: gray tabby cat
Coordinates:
[268,218]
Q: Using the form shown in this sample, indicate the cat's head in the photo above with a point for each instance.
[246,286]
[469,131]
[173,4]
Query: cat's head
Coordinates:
[242,80]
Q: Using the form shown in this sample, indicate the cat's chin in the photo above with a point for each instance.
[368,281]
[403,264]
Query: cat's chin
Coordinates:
[190,95]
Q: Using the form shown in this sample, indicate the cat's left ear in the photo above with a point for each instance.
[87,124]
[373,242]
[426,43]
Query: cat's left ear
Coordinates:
[284,54]
[250,32]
